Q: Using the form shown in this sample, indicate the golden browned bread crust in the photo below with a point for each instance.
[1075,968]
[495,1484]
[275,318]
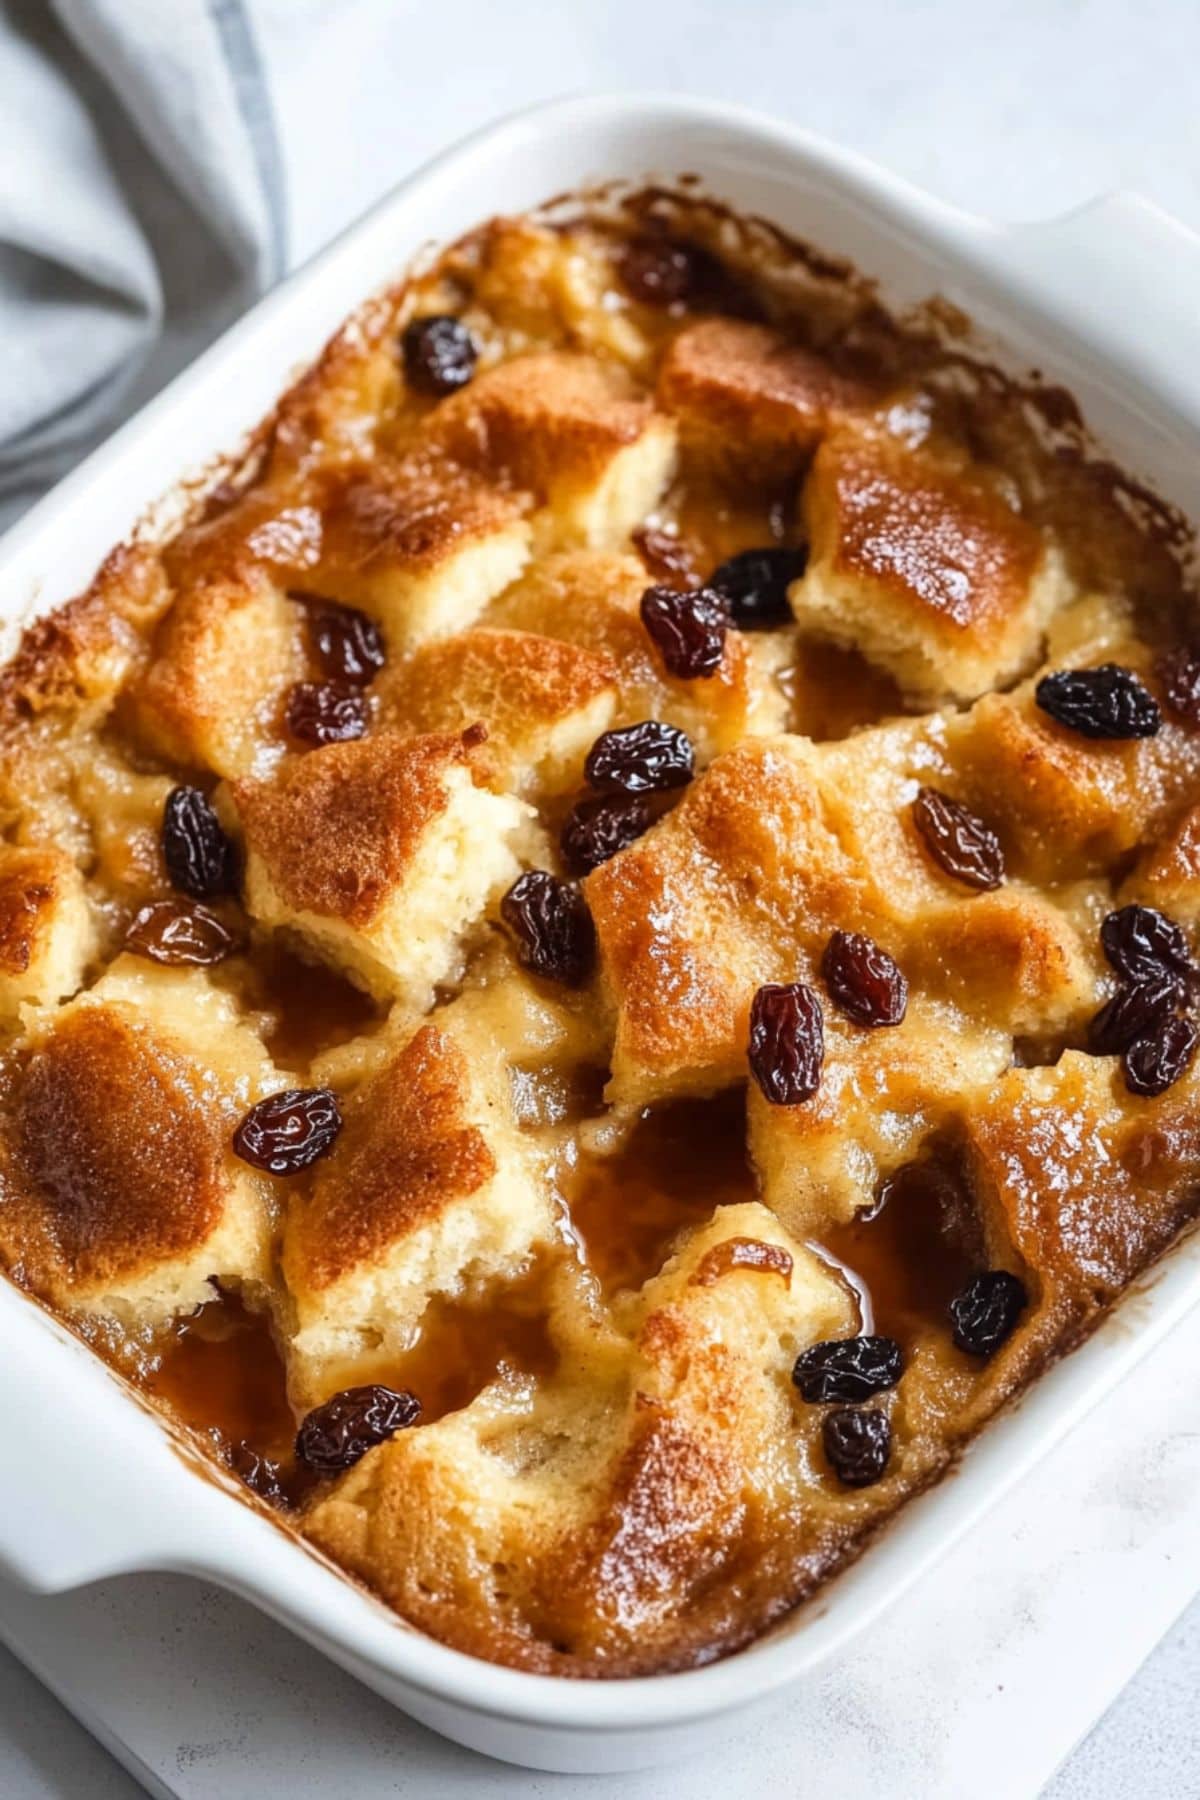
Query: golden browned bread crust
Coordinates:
[122,1193]
[46,931]
[536,422]
[339,829]
[923,566]
[223,660]
[752,403]
[543,702]
[266,794]
[592,599]
[406,1157]
[128,1162]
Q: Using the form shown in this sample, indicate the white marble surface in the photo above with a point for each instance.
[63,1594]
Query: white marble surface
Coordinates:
[1016,107]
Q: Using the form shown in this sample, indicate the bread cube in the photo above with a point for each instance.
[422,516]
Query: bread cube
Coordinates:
[1167,874]
[127,1198]
[379,855]
[47,935]
[224,658]
[883,1094]
[927,572]
[571,429]
[1066,805]
[544,702]
[592,599]
[419,543]
[1081,1187]
[428,1191]
[720,896]
[751,404]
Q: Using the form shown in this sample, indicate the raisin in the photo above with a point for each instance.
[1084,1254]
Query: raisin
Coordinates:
[847,1369]
[597,827]
[1107,702]
[551,926]
[958,841]
[439,354]
[657,271]
[787,1043]
[260,1473]
[1179,672]
[863,981]
[1133,1012]
[986,1311]
[348,645]
[321,712]
[688,629]
[641,759]
[664,553]
[171,931]
[857,1443]
[1142,944]
[1155,1062]
[335,1436]
[200,858]
[754,585]
[286,1132]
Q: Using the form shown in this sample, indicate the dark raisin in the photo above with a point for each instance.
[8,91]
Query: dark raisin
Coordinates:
[986,1311]
[1142,943]
[200,858]
[348,645]
[599,826]
[551,926]
[1179,673]
[664,553]
[335,1436]
[286,1132]
[1133,1012]
[1108,702]
[958,841]
[857,1443]
[439,354]
[863,981]
[320,712]
[688,628]
[658,272]
[641,759]
[847,1369]
[755,585]
[1155,1062]
[787,1043]
[262,1475]
[171,931]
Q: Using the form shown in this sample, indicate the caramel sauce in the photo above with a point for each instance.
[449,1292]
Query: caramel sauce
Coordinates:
[832,692]
[313,1007]
[465,1344]
[549,1095]
[220,1370]
[679,1163]
[711,523]
[910,1254]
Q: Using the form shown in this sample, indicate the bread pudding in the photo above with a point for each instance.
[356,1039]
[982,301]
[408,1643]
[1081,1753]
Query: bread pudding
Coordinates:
[598,954]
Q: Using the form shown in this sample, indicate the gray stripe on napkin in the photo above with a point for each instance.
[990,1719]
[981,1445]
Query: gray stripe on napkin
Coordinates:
[246,71]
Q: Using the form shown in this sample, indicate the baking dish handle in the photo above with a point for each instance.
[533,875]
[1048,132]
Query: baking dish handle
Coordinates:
[88,1487]
[1124,276]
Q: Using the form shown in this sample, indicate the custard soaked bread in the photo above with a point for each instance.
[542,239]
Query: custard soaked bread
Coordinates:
[598,956]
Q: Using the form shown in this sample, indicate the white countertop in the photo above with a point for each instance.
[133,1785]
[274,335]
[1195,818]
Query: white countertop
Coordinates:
[1020,108]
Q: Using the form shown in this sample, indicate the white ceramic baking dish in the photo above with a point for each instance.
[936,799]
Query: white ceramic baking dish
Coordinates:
[1105,300]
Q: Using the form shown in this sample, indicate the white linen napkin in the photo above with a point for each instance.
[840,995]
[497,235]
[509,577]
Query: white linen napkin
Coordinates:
[141,207]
